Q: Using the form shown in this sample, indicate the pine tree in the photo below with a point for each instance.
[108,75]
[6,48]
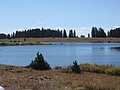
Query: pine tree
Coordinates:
[75,67]
[88,35]
[94,32]
[39,63]
[71,34]
[64,34]
[74,34]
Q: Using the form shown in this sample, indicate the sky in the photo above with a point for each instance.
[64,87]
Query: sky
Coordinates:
[80,15]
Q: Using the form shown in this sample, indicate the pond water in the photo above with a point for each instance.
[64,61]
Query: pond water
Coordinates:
[62,54]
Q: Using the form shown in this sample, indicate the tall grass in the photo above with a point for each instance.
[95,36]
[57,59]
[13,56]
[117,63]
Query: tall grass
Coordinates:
[102,69]
[106,69]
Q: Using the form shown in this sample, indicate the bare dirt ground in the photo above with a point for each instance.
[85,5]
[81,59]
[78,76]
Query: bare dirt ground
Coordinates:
[20,78]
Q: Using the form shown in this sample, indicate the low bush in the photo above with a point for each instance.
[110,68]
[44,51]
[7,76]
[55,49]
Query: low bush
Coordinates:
[75,68]
[106,69]
[67,69]
[113,71]
[58,68]
[95,68]
[3,44]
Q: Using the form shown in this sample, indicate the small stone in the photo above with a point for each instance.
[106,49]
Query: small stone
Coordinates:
[31,78]
[41,79]
[47,78]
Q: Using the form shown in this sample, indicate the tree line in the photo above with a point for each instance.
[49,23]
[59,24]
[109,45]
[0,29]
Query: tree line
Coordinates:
[4,36]
[114,32]
[40,33]
[99,32]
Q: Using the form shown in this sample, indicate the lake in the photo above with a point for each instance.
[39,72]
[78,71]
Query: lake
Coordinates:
[62,54]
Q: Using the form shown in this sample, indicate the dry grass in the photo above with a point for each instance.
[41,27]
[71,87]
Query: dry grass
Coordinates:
[65,40]
[38,41]
[19,78]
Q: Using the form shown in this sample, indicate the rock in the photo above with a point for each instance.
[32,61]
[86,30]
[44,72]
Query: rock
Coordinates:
[1,88]
[31,78]
[47,78]
[16,71]
[41,79]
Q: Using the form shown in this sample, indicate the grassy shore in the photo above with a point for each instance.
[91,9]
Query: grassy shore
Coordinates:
[20,78]
[73,39]
[62,40]
[36,41]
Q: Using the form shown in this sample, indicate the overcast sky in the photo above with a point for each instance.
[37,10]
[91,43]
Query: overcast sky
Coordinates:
[81,15]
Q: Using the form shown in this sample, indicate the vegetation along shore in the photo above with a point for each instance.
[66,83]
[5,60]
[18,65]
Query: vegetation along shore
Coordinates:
[39,76]
[17,78]
[39,41]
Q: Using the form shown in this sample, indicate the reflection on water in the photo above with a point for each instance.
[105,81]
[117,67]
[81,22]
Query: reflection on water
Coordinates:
[116,48]
[62,55]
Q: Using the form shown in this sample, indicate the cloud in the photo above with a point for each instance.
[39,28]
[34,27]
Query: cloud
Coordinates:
[115,27]
[83,31]
[84,28]
[79,31]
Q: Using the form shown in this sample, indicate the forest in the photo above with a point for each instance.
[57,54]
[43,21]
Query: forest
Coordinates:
[40,33]
[46,33]
[100,33]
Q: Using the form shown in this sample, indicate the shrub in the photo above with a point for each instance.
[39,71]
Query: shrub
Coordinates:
[2,44]
[95,68]
[75,68]
[58,68]
[113,71]
[39,63]
[67,69]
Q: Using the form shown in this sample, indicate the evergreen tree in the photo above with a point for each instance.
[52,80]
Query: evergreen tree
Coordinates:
[8,36]
[76,67]
[101,33]
[3,36]
[98,32]
[74,34]
[13,35]
[61,33]
[114,32]
[71,34]
[64,34]
[88,35]
[39,63]
[108,33]
[94,32]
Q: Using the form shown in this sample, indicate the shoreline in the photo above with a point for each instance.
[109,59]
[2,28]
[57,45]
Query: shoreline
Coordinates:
[38,41]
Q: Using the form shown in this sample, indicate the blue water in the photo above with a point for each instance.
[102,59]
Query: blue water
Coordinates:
[62,54]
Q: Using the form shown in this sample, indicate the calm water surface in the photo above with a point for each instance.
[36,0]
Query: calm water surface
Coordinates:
[62,54]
